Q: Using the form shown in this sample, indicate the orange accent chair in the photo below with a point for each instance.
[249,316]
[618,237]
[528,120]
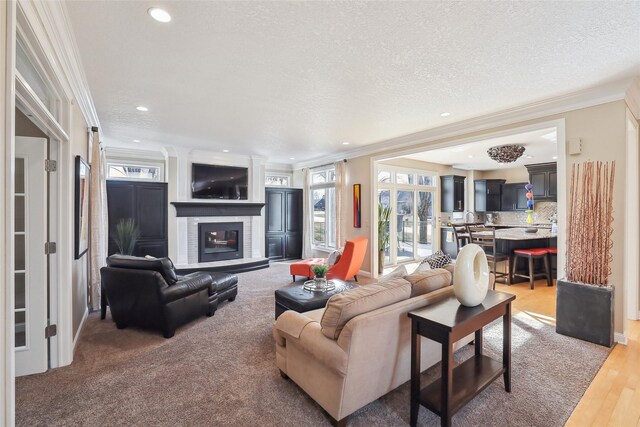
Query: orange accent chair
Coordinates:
[347,266]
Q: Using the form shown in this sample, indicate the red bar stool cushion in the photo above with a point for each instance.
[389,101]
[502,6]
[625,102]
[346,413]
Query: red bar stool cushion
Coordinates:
[531,252]
[552,251]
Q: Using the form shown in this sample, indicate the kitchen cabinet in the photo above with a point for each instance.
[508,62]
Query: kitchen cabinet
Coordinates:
[448,242]
[452,193]
[513,197]
[544,178]
[488,194]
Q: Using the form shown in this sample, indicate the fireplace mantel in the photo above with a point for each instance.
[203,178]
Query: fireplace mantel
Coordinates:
[191,209]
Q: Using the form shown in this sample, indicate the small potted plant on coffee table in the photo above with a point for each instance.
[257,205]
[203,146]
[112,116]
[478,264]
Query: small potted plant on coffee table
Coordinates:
[319,282]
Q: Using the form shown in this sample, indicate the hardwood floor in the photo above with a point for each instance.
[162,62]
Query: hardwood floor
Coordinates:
[613,398]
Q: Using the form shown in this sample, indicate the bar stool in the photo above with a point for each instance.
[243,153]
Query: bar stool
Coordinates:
[461,235]
[531,255]
[486,239]
[553,252]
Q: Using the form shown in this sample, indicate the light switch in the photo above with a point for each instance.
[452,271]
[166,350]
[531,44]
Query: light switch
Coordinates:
[575,146]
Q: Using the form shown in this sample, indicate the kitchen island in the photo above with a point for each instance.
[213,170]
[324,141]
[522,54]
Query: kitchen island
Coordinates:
[510,239]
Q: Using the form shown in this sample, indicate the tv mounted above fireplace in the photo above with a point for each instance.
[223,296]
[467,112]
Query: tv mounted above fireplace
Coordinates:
[219,182]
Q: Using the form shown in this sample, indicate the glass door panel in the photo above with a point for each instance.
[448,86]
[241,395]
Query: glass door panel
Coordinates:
[426,223]
[405,225]
[20,307]
[384,198]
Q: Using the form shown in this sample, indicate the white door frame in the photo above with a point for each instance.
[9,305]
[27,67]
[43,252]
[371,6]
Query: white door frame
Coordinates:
[7,156]
[557,124]
[632,220]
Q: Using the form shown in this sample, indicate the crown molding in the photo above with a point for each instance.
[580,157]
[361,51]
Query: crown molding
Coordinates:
[279,167]
[590,97]
[50,22]
[632,97]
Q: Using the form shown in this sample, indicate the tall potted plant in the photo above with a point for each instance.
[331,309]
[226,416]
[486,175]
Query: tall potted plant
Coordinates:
[585,299]
[126,236]
[384,213]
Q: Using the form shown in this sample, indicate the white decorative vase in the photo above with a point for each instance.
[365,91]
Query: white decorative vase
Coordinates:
[471,276]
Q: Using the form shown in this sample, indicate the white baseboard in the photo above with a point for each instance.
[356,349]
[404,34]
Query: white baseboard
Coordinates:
[75,339]
[364,273]
[620,338]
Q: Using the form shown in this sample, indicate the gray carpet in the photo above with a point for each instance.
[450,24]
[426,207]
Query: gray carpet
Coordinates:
[221,371]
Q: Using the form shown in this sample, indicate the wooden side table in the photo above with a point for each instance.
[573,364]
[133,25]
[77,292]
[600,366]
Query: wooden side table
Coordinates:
[446,322]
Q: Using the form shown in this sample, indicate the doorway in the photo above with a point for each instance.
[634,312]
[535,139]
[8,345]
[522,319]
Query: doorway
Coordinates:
[31,264]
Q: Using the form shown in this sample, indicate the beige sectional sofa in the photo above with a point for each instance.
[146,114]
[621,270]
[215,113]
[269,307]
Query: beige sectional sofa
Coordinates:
[357,348]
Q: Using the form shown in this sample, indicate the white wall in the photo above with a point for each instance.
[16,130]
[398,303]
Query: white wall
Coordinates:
[79,146]
[511,175]
[178,175]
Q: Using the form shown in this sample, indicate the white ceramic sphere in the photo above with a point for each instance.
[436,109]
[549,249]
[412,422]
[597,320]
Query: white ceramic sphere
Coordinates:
[471,276]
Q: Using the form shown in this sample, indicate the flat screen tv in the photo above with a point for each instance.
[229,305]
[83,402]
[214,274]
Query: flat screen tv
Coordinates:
[219,182]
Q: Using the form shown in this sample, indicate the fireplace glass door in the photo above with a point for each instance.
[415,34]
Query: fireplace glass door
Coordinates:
[221,241]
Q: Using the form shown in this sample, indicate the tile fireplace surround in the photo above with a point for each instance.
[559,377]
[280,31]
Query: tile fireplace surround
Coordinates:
[190,214]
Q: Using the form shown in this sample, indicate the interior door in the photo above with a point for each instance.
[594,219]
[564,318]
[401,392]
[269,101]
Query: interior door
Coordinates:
[30,310]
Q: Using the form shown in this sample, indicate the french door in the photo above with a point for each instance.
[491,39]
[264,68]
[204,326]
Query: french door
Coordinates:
[30,235]
[412,226]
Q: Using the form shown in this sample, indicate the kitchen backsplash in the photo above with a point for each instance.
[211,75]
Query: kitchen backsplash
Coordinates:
[542,211]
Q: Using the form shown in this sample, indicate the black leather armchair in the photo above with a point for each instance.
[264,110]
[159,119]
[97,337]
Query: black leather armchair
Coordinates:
[147,293]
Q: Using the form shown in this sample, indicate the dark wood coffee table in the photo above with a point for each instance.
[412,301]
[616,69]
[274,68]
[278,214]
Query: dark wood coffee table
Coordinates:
[298,299]
[446,322]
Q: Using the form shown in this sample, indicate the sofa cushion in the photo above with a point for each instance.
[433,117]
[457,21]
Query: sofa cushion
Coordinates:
[345,306]
[427,281]
[164,266]
[422,267]
[398,272]
[451,269]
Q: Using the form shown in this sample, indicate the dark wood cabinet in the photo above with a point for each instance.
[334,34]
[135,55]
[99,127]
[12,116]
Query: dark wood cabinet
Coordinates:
[544,178]
[513,197]
[448,242]
[488,193]
[452,193]
[283,223]
[147,204]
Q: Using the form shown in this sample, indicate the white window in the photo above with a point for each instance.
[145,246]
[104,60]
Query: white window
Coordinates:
[135,171]
[323,207]
[277,180]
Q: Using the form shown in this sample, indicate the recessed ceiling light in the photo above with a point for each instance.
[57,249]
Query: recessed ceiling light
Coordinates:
[225,151]
[136,140]
[470,156]
[142,108]
[159,15]
[292,158]
[445,114]
[554,157]
[345,143]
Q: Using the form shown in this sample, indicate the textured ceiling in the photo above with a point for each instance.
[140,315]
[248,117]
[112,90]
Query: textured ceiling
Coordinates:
[540,147]
[296,79]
